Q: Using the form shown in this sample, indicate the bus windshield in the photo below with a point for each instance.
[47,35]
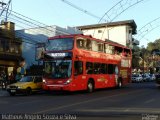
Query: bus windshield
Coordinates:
[58,69]
[60,44]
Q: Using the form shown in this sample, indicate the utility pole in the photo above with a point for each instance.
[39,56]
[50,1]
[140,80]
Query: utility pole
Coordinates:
[4,7]
[2,3]
[143,57]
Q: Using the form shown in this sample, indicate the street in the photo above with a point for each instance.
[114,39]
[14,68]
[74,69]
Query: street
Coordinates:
[135,101]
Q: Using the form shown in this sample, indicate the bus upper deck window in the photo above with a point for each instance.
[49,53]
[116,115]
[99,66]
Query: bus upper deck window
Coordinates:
[88,44]
[80,43]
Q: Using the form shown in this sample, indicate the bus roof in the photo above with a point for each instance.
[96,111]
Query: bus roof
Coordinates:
[89,36]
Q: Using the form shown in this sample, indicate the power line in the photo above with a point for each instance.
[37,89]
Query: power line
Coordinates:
[111,14]
[31,24]
[80,9]
[117,10]
[147,28]
[6,8]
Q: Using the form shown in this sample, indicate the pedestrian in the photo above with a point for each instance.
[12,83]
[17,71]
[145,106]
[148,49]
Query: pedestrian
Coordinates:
[11,78]
[4,79]
[20,71]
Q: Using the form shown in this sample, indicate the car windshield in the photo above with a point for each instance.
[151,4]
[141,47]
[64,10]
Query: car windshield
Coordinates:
[135,75]
[26,79]
[58,69]
[60,44]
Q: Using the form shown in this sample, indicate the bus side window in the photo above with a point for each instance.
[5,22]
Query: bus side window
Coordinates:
[78,67]
[109,49]
[128,53]
[103,69]
[111,69]
[94,46]
[100,47]
[97,67]
[118,50]
[89,68]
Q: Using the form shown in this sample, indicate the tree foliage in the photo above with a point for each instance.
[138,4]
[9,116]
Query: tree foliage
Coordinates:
[153,45]
[141,53]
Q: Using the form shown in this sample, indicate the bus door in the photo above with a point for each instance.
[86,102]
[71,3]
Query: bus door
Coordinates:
[111,75]
[79,78]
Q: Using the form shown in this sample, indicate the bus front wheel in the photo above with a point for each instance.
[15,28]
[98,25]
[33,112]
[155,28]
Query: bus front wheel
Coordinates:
[90,86]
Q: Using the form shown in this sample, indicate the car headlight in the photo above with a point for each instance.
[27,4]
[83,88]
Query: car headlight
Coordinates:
[19,87]
[68,81]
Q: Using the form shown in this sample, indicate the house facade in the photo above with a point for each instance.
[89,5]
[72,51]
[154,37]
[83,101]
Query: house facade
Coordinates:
[121,32]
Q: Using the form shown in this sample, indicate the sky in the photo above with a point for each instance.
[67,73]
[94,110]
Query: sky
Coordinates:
[56,12]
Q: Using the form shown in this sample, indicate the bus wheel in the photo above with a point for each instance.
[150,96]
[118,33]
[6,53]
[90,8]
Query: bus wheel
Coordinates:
[90,86]
[119,85]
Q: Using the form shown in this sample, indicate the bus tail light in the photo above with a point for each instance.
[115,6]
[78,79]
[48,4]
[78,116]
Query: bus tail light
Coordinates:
[68,81]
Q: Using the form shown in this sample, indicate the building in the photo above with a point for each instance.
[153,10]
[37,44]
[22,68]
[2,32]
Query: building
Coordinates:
[10,48]
[35,36]
[120,32]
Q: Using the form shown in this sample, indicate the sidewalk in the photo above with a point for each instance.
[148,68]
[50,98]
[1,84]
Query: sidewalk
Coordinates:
[3,92]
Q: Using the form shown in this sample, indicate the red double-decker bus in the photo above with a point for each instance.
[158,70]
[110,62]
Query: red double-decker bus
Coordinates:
[80,62]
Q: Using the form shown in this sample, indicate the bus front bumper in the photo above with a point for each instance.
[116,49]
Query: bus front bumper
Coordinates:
[57,87]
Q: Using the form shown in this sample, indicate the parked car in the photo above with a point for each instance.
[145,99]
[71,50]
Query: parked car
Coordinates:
[158,79]
[26,85]
[137,78]
[146,77]
[152,77]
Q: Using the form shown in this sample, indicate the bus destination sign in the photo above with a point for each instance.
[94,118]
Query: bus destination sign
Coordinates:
[60,55]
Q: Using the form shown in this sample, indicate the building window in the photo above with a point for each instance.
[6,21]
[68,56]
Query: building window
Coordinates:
[99,31]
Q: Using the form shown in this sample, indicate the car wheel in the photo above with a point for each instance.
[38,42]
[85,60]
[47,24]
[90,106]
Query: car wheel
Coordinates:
[28,91]
[12,94]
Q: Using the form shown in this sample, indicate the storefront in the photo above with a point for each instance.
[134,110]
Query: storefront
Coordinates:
[10,49]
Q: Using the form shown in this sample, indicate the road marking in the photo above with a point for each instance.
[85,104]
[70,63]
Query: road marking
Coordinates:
[87,101]
[120,110]
[149,101]
[27,102]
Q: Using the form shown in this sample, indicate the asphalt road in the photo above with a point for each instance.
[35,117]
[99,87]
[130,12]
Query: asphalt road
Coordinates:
[137,101]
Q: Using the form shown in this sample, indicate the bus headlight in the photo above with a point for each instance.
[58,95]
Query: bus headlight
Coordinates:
[44,81]
[8,86]
[68,81]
